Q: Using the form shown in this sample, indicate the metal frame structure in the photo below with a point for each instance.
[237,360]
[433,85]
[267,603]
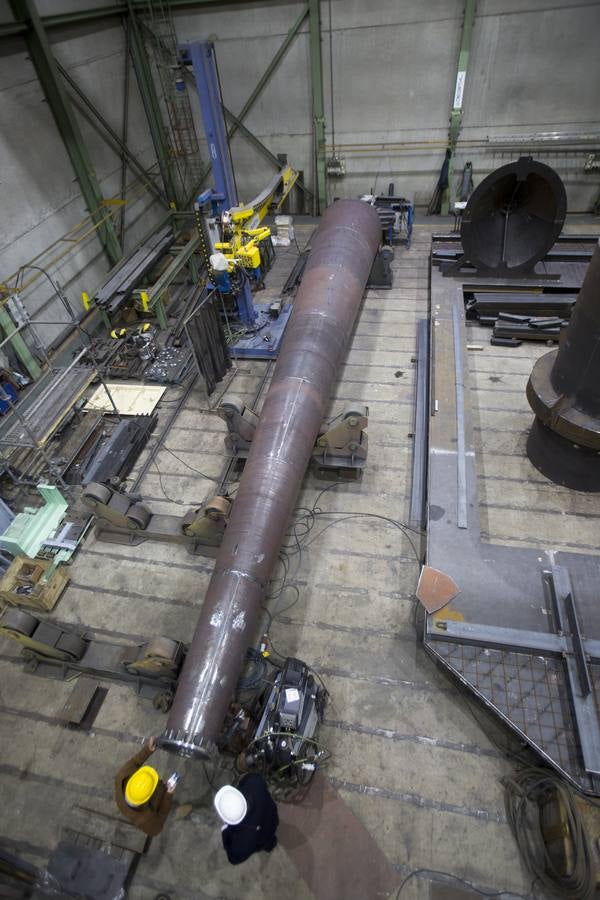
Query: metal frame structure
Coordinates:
[33,421]
[457,101]
[107,132]
[152,108]
[68,128]
[60,88]
[134,9]
[523,634]
[318,106]
[263,334]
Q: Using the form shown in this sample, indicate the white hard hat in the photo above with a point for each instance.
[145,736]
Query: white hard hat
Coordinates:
[230,805]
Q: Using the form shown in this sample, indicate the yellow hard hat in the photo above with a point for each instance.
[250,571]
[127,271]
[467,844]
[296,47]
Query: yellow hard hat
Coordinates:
[141,786]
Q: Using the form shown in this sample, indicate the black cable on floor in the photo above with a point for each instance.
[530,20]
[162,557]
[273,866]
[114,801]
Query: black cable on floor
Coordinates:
[446,877]
[526,794]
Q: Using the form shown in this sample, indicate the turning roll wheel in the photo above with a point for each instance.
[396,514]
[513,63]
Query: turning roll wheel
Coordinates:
[138,517]
[162,647]
[218,507]
[71,646]
[231,404]
[358,412]
[15,622]
[96,495]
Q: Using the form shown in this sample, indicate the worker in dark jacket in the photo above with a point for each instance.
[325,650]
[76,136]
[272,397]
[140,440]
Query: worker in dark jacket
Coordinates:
[250,816]
[141,795]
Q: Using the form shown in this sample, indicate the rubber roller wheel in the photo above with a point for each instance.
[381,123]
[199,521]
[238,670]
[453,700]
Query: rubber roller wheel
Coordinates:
[17,622]
[359,413]
[138,517]
[217,507]
[96,495]
[232,403]
[161,648]
[71,645]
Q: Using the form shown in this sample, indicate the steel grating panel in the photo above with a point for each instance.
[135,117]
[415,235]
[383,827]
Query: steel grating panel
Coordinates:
[530,691]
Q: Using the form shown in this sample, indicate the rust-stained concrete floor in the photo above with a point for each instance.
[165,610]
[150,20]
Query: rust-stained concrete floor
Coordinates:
[410,761]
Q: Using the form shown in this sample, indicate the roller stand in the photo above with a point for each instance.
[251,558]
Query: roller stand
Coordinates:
[340,450]
[122,519]
[381,276]
[51,651]
[342,446]
[241,424]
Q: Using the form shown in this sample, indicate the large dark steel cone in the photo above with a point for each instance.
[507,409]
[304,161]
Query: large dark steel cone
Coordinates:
[564,392]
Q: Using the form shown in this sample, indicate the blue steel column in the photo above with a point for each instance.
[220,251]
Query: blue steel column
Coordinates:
[204,63]
[201,54]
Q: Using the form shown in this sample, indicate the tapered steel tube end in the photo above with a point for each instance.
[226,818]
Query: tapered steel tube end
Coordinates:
[324,311]
[188,745]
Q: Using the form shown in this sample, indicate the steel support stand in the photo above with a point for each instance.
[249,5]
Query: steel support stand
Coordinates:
[47,72]
[318,106]
[457,104]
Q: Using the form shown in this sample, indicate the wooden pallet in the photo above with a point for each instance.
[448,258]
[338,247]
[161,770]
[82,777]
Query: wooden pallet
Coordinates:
[46,583]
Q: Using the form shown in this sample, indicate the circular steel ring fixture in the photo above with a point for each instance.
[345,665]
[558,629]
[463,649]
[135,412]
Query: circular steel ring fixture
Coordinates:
[513,218]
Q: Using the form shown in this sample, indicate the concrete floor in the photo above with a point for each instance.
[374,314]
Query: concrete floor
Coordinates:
[411,766]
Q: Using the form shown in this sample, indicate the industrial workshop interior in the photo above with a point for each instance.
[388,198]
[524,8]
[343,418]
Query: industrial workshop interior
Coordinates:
[300,449]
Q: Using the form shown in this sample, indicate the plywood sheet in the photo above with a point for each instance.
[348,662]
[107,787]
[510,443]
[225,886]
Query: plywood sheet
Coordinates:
[130,399]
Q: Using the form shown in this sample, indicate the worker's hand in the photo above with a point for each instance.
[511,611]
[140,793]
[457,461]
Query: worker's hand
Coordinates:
[152,744]
[171,788]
